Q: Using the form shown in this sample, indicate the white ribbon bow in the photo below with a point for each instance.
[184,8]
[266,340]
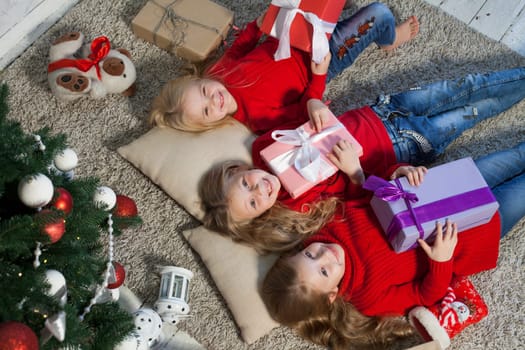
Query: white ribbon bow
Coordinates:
[306,158]
[289,9]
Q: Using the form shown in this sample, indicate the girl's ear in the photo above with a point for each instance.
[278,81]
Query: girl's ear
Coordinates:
[332,295]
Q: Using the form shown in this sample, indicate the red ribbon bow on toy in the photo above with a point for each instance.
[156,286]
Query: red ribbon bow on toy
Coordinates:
[99,50]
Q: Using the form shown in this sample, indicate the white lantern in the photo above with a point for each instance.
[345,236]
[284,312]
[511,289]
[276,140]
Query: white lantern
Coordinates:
[172,304]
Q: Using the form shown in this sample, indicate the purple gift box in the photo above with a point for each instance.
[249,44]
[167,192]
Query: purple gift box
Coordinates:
[455,190]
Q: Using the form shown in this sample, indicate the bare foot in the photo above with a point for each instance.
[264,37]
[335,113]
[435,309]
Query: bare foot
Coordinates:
[406,31]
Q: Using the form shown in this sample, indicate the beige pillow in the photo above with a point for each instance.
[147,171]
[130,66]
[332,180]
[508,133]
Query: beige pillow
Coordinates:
[175,161]
[239,289]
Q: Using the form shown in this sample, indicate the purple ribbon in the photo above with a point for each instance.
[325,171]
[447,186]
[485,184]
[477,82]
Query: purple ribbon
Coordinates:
[388,192]
[428,212]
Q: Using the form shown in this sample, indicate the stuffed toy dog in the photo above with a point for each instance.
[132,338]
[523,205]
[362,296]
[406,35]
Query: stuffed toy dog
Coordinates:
[94,70]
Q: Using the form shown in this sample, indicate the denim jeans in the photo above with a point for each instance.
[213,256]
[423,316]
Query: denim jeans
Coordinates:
[504,172]
[372,23]
[423,121]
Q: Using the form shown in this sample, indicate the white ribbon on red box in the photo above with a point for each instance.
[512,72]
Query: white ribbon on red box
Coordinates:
[305,157]
[288,10]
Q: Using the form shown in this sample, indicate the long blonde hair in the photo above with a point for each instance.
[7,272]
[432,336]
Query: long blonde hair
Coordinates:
[278,229]
[338,324]
[167,108]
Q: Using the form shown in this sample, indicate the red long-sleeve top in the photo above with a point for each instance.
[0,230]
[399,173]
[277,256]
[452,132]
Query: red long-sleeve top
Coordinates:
[268,92]
[379,281]
[378,157]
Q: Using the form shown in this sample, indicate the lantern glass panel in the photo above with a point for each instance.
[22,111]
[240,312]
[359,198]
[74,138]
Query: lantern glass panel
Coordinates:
[165,283]
[178,283]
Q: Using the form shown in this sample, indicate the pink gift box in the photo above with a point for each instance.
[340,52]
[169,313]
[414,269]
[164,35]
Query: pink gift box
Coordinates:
[301,30]
[280,156]
[454,190]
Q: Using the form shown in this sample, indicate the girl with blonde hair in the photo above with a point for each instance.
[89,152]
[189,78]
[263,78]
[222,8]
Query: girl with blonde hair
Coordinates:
[249,85]
[412,127]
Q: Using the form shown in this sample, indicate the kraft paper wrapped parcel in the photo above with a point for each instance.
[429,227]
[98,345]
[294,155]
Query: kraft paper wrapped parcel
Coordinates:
[191,29]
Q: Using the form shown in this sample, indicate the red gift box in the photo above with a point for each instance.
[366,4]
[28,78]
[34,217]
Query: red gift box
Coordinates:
[298,157]
[299,19]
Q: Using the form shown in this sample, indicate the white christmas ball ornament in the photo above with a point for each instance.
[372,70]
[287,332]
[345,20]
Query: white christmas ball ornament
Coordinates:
[105,198]
[148,325]
[36,190]
[58,285]
[66,160]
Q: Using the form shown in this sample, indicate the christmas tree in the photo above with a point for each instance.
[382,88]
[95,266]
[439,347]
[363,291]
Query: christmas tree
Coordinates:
[56,267]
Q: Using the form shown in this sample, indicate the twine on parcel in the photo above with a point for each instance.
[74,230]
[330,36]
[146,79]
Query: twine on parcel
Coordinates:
[177,21]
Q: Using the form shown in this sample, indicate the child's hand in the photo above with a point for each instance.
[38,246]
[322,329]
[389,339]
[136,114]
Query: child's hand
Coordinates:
[318,112]
[413,174]
[345,157]
[322,67]
[444,244]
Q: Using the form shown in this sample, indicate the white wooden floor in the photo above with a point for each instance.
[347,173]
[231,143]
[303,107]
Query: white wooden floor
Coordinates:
[501,20]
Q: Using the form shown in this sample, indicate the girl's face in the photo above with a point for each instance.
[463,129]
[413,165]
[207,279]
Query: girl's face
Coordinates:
[206,101]
[250,193]
[321,266]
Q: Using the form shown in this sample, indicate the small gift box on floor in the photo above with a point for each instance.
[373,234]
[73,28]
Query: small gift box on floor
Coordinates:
[191,29]
[303,24]
[456,191]
[298,156]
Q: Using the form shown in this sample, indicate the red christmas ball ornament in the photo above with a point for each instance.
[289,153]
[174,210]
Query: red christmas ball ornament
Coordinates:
[117,276]
[125,207]
[63,200]
[55,228]
[17,336]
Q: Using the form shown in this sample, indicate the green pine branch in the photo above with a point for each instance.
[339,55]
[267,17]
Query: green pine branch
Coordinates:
[80,255]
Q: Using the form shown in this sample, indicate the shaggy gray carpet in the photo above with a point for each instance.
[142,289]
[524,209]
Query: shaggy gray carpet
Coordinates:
[445,48]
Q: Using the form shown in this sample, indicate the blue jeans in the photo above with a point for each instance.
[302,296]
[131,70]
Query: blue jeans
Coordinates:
[372,23]
[423,121]
[504,172]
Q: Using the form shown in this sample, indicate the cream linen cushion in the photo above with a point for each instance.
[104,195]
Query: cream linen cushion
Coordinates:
[239,289]
[175,161]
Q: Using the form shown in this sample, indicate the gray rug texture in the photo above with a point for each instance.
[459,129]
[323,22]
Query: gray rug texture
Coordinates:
[445,48]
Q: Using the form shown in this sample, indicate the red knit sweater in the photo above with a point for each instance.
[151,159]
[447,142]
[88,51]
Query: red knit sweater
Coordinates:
[378,157]
[378,281]
[268,92]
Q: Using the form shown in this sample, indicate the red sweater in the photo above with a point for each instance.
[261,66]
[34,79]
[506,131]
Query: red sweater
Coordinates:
[378,157]
[379,281]
[268,92]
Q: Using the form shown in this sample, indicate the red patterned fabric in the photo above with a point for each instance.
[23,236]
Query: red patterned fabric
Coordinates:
[463,291]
